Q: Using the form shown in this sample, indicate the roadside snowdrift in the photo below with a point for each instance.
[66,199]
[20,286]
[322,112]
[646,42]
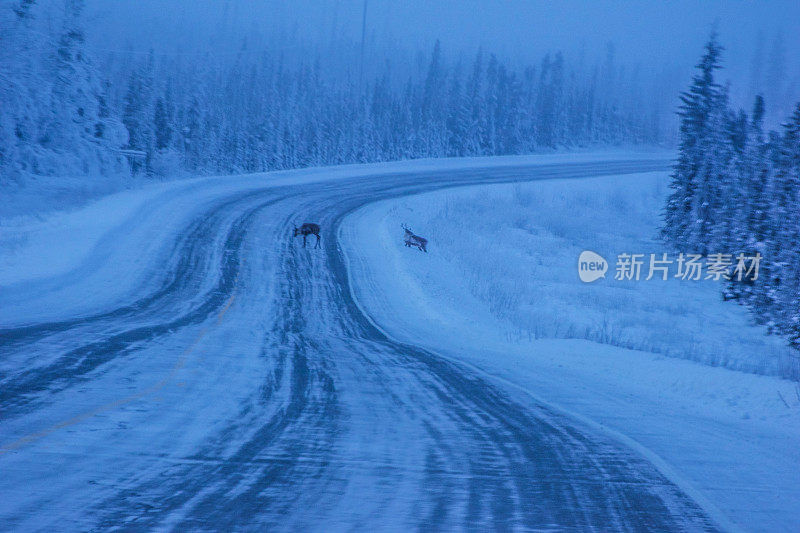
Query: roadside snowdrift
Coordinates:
[651,360]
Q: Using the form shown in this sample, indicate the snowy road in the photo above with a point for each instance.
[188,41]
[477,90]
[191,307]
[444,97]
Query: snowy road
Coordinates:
[229,380]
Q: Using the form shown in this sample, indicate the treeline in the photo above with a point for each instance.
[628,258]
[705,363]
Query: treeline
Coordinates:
[265,115]
[736,190]
[260,111]
[55,118]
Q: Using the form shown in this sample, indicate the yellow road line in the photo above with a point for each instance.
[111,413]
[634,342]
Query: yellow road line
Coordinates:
[179,364]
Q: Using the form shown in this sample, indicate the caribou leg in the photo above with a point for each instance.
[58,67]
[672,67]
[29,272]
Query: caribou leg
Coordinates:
[317,246]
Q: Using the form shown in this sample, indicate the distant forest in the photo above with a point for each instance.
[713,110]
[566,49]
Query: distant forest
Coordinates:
[736,190]
[66,112]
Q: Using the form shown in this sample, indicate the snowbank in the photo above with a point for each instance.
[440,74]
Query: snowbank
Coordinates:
[651,361]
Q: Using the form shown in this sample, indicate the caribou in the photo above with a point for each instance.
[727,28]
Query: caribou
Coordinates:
[307,229]
[415,240]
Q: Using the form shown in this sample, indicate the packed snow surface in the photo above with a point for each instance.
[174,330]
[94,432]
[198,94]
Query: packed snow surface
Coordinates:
[170,357]
[653,361]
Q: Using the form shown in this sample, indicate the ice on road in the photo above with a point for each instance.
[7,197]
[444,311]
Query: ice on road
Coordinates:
[199,369]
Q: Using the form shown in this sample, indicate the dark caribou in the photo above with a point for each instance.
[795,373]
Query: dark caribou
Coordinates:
[307,229]
[415,240]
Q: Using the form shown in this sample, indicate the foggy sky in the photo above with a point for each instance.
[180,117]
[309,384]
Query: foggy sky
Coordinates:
[668,33]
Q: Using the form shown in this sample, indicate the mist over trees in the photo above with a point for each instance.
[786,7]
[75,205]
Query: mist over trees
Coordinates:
[66,112]
[282,103]
[736,190]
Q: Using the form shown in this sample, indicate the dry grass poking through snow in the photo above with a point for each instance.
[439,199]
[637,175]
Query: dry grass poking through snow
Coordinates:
[516,247]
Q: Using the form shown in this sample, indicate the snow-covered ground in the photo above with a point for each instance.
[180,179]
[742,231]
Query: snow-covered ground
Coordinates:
[172,357]
[44,233]
[665,366]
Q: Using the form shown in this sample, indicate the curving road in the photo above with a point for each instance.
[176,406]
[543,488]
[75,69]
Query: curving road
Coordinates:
[239,387]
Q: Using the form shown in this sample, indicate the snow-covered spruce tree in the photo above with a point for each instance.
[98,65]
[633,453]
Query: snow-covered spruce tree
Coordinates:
[758,170]
[546,103]
[20,90]
[688,207]
[192,134]
[165,161]
[271,113]
[476,126]
[161,125]
[714,182]
[735,192]
[132,118]
[78,130]
[137,114]
[782,255]
[458,119]
[729,200]
[54,117]
[747,202]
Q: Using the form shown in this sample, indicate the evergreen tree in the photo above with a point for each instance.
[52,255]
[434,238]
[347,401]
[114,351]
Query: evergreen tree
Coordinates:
[758,176]
[783,246]
[132,118]
[262,112]
[688,207]
[734,191]
[729,201]
[163,131]
[775,79]
[476,126]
